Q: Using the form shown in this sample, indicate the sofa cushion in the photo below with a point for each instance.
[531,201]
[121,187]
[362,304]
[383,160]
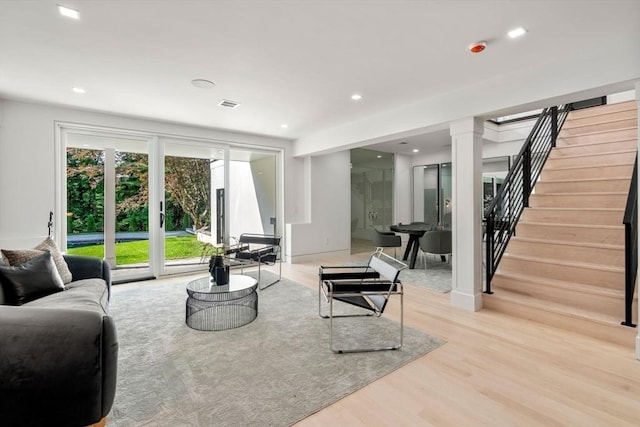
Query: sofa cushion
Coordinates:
[86,294]
[48,244]
[15,257]
[33,279]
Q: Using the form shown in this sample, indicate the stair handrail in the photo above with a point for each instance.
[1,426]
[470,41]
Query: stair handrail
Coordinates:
[630,222]
[505,209]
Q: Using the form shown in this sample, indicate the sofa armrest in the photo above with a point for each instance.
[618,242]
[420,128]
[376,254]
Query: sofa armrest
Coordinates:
[86,267]
[57,366]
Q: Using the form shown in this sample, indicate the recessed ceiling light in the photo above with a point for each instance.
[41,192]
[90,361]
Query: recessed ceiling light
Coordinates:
[202,83]
[68,12]
[415,150]
[284,126]
[356,97]
[79,90]
[379,156]
[517,32]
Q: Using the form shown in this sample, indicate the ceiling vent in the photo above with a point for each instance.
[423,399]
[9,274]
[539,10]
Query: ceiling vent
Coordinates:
[228,104]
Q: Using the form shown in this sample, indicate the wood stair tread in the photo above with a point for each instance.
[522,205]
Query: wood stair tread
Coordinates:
[595,132]
[557,308]
[559,224]
[590,143]
[571,243]
[602,153]
[556,168]
[555,261]
[585,144]
[596,179]
[574,122]
[578,193]
[560,208]
[563,284]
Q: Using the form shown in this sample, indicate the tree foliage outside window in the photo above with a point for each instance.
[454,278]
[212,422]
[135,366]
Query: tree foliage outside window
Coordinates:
[85,190]
[187,183]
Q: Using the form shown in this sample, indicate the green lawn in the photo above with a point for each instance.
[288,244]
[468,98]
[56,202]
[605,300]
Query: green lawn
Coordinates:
[138,252]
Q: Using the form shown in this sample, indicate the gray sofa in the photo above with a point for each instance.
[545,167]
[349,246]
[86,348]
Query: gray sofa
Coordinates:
[58,353]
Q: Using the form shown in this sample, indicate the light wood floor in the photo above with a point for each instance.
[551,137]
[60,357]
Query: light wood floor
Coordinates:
[494,370]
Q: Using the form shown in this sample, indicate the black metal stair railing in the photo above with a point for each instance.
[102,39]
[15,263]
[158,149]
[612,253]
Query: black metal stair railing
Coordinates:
[630,222]
[504,211]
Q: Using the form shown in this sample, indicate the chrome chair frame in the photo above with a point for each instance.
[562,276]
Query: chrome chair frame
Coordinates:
[369,287]
[258,249]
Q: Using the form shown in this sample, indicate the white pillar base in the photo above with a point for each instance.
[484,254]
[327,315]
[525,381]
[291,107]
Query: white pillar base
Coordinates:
[466,301]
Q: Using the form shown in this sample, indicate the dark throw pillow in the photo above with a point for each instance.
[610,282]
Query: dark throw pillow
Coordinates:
[31,280]
[18,256]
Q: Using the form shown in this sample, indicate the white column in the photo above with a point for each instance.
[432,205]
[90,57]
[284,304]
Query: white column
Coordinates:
[110,207]
[638,113]
[466,155]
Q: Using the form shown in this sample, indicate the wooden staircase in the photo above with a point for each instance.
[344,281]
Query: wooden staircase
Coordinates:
[565,265]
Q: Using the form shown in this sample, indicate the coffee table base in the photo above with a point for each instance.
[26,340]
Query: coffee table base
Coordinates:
[220,315]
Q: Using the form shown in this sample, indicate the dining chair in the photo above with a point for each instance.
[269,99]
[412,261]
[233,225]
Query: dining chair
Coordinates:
[437,242]
[385,239]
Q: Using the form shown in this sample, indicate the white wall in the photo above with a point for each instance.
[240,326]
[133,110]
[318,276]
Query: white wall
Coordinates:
[326,230]
[27,192]
[263,172]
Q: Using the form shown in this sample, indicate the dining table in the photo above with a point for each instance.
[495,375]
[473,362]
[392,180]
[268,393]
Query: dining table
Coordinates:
[415,231]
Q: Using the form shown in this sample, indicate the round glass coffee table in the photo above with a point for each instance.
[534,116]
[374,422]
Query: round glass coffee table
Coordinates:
[212,307]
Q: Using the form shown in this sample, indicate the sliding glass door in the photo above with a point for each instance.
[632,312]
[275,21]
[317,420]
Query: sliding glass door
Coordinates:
[192,206]
[153,205]
[107,204]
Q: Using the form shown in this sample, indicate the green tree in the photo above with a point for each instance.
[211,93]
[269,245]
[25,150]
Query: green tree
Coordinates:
[132,191]
[85,189]
[188,184]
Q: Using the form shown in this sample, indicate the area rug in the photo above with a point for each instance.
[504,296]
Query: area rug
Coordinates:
[436,277]
[274,371]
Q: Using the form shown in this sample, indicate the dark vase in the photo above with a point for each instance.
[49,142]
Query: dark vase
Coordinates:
[219,272]
[222,275]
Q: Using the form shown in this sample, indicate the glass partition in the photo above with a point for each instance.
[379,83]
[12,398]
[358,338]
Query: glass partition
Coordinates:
[433,189]
[432,194]
[371,193]
[446,195]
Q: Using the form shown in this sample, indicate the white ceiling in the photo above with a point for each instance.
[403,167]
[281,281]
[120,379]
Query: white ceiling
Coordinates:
[289,61]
